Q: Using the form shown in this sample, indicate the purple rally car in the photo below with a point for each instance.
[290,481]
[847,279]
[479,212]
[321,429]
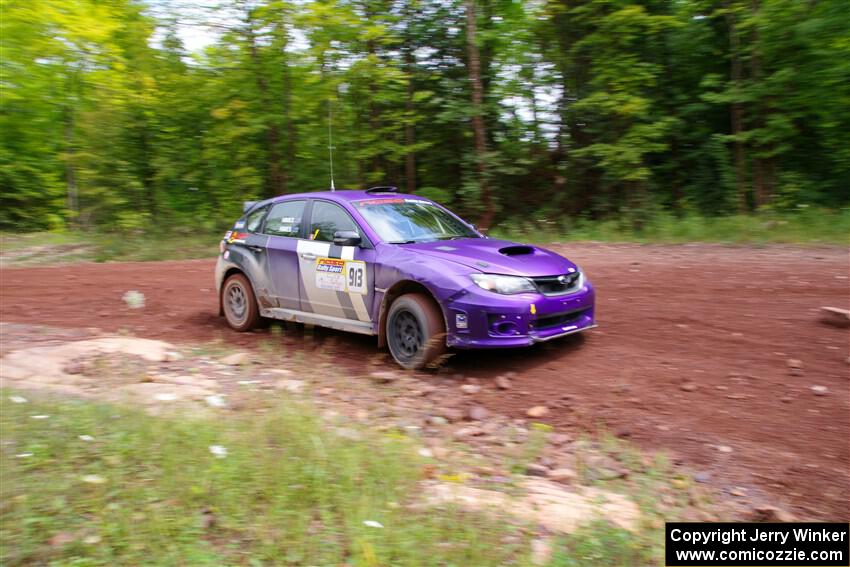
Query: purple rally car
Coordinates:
[397,266]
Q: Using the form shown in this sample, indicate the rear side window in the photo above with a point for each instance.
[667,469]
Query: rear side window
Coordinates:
[253,221]
[285,219]
[327,219]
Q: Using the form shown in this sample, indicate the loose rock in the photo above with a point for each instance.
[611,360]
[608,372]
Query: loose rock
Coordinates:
[771,514]
[465,432]
[836,317]
[559,439]
[536,469]
[470,389]
[236,359]
[689,386]
[477,413]
[384,377]
[819,390]
[436,420]
[292,386]
[702,477]
[280,371]
[564,475]
[171,356]
[216,401]
[537,411]
[451,414]
[503,382]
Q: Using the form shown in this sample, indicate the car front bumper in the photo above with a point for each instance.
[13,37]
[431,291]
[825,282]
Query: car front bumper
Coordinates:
[492,320]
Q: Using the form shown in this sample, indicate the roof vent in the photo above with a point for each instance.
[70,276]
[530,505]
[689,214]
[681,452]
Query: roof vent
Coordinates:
[382,189]
[516,250]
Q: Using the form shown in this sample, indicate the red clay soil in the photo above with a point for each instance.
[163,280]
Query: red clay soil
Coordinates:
[724,320]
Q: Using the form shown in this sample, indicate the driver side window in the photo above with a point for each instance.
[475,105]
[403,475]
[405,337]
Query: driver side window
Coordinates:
[328,218]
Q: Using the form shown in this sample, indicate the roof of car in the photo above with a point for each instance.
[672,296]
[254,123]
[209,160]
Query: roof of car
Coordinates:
[347,195]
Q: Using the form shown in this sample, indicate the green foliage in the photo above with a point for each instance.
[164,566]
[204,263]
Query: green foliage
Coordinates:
[609,109]
[804,225]
[601,544]
[290,491]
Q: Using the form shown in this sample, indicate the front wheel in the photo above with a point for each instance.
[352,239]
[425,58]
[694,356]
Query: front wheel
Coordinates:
[415,331]
[239,304]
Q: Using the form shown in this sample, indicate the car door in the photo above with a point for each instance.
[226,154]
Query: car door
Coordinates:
[283,227]
[336,281]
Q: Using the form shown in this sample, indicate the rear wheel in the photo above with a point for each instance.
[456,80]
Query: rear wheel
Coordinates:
[415,331]
[239,304]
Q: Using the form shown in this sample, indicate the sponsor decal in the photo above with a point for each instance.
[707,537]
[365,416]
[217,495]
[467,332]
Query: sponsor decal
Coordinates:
[330,265]
[461,321]
[341,275]
[329,274]
[533,309]
[237,237]
[372,202]
[239,224]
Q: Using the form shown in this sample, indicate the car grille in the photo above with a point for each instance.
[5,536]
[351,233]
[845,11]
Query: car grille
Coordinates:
[558,285]
[559,320]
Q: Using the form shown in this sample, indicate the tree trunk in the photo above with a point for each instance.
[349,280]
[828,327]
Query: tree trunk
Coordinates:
[478,130]
[70,172]
[737,112]
[289,149]
[761,168]
[274,176]
[409,131]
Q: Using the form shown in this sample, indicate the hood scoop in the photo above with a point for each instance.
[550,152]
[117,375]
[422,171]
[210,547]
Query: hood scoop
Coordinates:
[516,250]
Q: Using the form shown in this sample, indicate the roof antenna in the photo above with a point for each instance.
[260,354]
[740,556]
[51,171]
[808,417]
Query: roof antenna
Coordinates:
[331,142]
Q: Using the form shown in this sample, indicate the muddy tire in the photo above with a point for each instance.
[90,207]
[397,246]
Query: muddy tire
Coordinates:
[416,335]
[239,304]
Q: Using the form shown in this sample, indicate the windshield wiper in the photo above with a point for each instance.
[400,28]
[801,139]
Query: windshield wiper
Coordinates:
[403,241]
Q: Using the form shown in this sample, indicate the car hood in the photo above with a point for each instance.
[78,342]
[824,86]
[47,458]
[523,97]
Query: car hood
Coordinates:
[495,256]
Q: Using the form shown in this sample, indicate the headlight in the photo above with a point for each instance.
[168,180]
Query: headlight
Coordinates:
[503,284]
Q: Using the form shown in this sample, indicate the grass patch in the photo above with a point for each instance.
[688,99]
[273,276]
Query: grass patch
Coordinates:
[807,226]
[290,491]
[155,246]
[62,247]
[602,545]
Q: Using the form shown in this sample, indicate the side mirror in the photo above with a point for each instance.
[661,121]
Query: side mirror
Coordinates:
[346,238]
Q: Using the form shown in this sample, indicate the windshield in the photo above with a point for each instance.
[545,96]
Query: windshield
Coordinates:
[401,221]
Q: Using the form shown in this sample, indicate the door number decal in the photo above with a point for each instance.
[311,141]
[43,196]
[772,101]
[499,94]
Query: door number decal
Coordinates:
[355,277]
[341,275]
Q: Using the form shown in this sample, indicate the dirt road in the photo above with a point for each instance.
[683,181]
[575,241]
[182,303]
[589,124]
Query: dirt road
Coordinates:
[691,355]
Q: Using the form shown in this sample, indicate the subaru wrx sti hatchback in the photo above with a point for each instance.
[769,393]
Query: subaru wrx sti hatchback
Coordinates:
[399,267]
